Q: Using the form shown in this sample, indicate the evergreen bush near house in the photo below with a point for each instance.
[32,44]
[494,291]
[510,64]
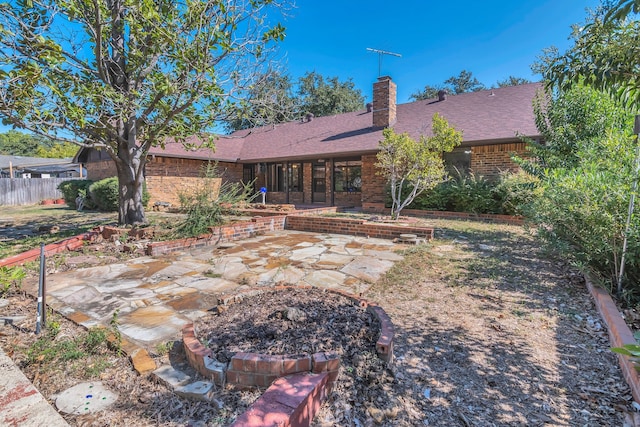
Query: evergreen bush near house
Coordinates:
[71,189]
[475,194]
[104,194]
[101,195]
[472,193]
[516,191]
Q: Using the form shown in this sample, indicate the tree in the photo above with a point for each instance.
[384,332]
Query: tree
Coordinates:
[322,97]
[429,92]
[14,143]
[415,165]
[57,151]
[463,82]
[513,81]
[605,55]
[571,122]
[268,101]
[622,9]
[586,170]
[272,100]
[126,75]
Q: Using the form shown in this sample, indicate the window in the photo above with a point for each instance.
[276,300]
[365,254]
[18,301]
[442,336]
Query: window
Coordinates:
[347,175]
[295,176]
[458,160]
[278,180]
[275,177]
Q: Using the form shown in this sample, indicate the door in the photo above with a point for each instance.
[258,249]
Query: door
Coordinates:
[248,175]
[319,183]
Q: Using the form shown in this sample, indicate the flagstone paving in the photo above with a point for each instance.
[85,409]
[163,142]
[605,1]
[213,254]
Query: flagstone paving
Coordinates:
[156,297]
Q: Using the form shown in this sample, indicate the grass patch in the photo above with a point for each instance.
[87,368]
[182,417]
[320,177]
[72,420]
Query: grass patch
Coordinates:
[464,253]
[87,353]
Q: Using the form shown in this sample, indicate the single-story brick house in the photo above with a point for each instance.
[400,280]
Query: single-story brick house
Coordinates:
[331,160]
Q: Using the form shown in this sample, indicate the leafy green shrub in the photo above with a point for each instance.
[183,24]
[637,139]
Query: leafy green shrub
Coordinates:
[516,191]
[71,189]
[582,214]
[104,194]
[476,194]
[11,279]
[472,193]
[206,204]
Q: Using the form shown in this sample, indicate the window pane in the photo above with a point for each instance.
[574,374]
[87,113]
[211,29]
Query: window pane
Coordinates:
[340,178]
[295,177]
[355,178]
[275,177]
[457,160]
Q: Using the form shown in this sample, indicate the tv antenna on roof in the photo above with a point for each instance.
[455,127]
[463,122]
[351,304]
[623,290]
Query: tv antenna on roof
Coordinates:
[380,53]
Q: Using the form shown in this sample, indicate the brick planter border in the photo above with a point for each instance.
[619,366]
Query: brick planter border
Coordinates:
[379,208]
[69,244]
[221,234]
[247,370]
[619,334]
[354,227]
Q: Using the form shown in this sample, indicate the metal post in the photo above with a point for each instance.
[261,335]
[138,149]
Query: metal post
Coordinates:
[632,199]
[40,309]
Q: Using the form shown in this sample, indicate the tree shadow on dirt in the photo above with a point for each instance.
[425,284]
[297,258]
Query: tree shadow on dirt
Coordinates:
[488,373]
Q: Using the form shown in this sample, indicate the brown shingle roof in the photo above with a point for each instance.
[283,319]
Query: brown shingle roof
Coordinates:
[484,116]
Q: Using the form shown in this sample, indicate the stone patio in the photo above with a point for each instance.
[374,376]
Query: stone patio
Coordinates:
[156,297]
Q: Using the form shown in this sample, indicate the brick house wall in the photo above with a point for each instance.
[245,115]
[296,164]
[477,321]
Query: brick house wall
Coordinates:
[490,160]
[307,186]
[168,177]
[101,169]
[373,184]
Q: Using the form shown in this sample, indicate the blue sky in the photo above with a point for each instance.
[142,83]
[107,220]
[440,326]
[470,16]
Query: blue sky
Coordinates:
[437,39]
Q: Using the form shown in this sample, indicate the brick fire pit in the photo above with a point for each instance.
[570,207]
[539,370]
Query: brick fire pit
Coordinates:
[260,370]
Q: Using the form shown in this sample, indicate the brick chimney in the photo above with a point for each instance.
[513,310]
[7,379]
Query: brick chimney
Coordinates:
[384,102]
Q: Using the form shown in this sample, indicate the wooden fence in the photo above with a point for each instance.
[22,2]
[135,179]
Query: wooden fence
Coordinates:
[29,191]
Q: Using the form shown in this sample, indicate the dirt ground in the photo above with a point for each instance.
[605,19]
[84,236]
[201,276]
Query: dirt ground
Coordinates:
[490,331]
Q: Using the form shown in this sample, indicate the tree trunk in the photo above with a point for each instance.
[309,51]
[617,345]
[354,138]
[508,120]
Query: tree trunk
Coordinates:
[130,164]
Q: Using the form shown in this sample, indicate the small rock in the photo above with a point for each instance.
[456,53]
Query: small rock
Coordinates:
[295,314]
[148,397]
[199,390]
[142,362]
[376,414]
[391,413]
[170,376]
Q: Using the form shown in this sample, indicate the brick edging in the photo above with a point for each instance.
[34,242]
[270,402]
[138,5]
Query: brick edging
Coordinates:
[261,370]
[353,227]
[68,244]
[379,208]
[292,401]
[619,334]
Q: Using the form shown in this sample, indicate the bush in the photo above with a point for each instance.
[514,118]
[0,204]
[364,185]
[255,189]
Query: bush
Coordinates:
[71,190]
[104,194]
[472,193]
[582,213]
[516,191]
[476,194]
[205,205]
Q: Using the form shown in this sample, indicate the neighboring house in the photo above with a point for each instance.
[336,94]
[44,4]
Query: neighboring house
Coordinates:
[37,167]
[331,160]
